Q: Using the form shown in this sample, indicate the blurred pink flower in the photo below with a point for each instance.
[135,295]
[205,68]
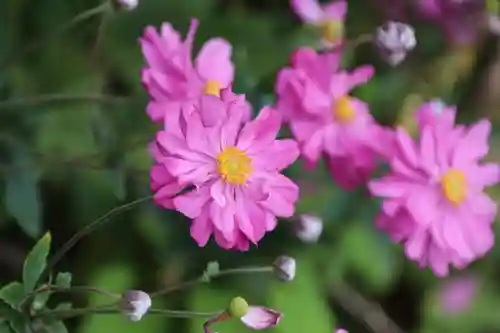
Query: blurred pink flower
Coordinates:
[330,17]
[235,167]
[340,330]
[433,195]
[457,294]
[313,96]
[170,76]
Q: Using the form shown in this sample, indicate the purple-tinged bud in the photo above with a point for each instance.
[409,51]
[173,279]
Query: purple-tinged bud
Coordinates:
[135,304]
[284,268]
[308,228]
[127,4]
[394,40]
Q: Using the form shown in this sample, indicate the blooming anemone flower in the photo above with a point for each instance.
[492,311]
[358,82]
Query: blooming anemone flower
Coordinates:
[170,76]
[235,169]
[313,96]
[433,199]
[330,17]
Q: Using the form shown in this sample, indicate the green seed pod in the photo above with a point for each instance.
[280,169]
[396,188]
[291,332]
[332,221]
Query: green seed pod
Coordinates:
[238,307]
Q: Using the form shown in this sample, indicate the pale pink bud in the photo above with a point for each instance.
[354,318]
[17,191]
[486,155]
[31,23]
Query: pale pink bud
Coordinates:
[309,228]
[260,318]
[394,40]
[284,268]
[135,304]
[127,4]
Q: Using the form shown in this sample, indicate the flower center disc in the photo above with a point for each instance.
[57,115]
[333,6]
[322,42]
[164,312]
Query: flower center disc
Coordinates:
[212,87]
[234,165]
[343,110]
[454,186]
[332,30]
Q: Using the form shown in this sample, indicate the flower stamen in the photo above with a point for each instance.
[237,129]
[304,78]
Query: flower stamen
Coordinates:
[454,186]
[332,30]
[343,110]
[212,87]
[234,165]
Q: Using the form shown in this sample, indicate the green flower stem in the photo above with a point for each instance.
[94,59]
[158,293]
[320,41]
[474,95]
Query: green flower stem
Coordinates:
[204,278]
[83,16]
[61,98]
[112,309]
[88,229]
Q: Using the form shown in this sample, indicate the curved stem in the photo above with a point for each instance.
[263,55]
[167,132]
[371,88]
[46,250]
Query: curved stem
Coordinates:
[61,98]
[203,278]
[88,229]
[83,16]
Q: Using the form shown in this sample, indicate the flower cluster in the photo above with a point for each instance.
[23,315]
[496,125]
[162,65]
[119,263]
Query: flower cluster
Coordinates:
[222,167]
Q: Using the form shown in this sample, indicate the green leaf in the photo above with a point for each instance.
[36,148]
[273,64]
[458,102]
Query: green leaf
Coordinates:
[40,300]
[312,307]
[12,294]
[5,328]
[22,198]
[18,323]
[63,280]
[35,262]
[54,326]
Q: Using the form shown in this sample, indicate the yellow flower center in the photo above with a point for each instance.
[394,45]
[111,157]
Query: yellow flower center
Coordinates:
[343,110]
[234,165]
[454,186]
[212,87]
[332,30]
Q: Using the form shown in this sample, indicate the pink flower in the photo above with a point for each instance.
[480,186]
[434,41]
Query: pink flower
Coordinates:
[170,76]
[329,17]
[433,198]
[340,330]
[457,294]
[256,317]
[235,167]
[313,96]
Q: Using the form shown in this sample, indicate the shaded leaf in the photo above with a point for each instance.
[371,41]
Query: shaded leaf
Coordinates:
[35,262]
[54,326]
[12,294]
[5,328]
[63,280]
[22,198]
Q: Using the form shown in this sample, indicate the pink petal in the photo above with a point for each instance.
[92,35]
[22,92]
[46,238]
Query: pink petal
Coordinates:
[485,175]
[214,61]
[261,132]
[407,147]
[474,145]
[309,11]
[360,75]
[201,228]
[260,318]
[279,156]
[389,187]
[336,10]
[422,204]
[191,204]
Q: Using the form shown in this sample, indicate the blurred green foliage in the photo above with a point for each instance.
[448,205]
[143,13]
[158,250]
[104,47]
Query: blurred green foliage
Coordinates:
[65,162]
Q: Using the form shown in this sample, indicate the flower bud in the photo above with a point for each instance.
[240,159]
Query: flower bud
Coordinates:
[394,40]
[135,304]
[127,4]
[238,307]
[494,24]
[284,268]
[308,228]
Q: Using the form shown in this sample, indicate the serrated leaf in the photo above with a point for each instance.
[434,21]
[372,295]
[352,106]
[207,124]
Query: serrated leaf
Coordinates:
[13,294]
[35,262]
[311,313]
[63,280]
[22,198]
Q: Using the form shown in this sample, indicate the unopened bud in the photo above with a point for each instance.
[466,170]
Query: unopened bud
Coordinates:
[394,40]
[127,4]
[309,228]
[284,268]
[238,307]
[135,304]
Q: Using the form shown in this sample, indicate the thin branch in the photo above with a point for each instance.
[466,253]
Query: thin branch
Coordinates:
[371,314]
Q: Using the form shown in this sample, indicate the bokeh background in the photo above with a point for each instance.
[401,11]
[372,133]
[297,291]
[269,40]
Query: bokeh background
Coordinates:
[69,158]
